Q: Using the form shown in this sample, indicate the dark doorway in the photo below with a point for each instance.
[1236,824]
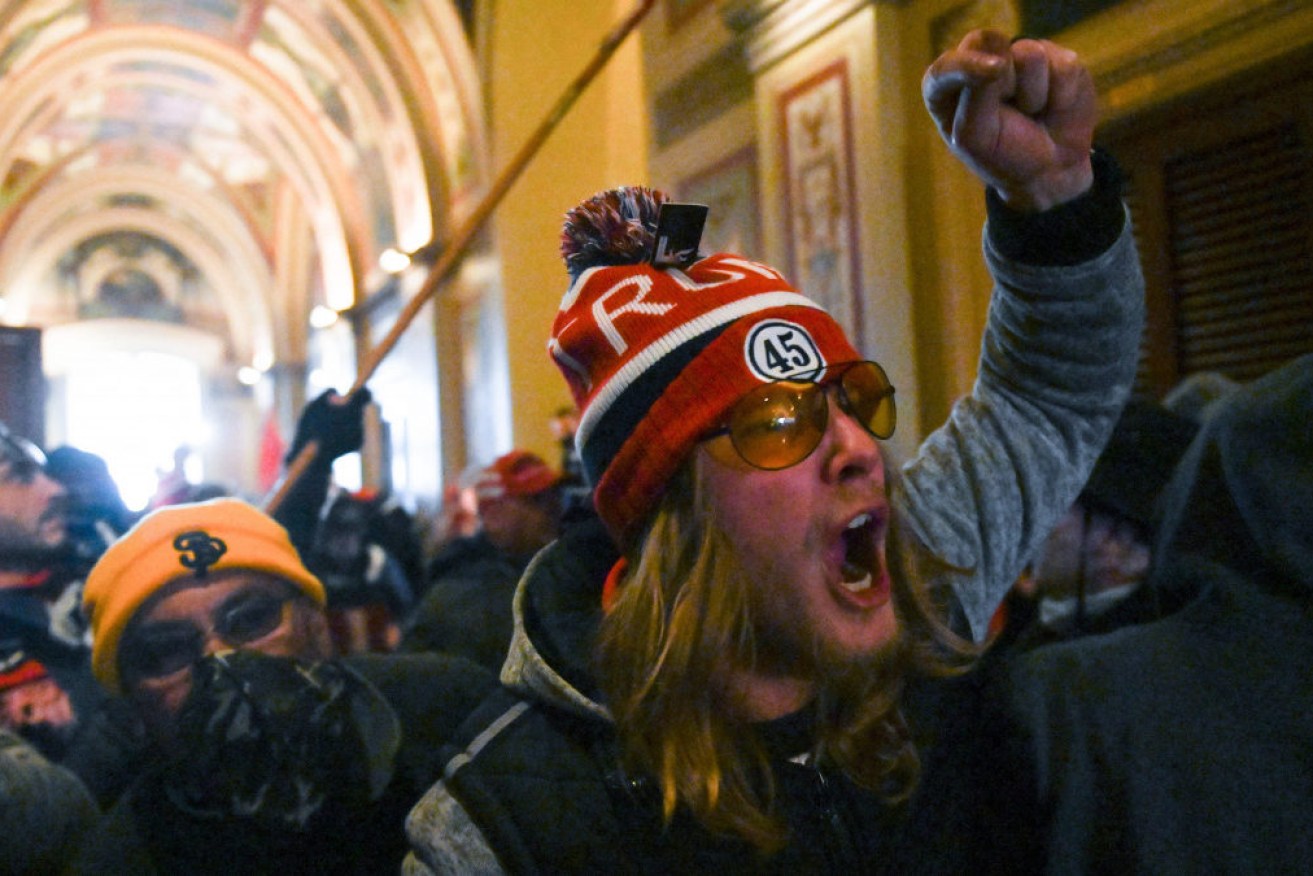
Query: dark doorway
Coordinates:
[22,384]
[1221,190]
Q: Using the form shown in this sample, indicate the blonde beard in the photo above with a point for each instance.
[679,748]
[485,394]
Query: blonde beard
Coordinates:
[764,669]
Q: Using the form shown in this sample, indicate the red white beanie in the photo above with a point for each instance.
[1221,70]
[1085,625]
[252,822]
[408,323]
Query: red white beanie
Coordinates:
[656,356]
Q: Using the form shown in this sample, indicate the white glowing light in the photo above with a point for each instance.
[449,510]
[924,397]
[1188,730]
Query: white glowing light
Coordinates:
[394,261]
[135,410]
[322,317]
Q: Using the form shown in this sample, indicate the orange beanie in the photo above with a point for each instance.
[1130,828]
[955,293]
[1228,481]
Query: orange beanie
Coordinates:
[175,542]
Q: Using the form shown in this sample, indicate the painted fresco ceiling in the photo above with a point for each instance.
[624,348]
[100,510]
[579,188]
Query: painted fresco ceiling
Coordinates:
[227,164]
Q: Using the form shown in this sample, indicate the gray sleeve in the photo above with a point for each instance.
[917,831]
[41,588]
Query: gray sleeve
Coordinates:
[1057,362]
[445,840]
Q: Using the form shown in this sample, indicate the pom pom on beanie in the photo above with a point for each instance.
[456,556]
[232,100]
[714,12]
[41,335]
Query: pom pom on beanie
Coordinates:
[615,227]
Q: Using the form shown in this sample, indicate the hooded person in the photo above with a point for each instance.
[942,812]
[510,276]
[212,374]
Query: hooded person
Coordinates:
[264,754]
[1182,745]
[97,514]
[708,677]
[1088,574]
[467,609]
[1089,577]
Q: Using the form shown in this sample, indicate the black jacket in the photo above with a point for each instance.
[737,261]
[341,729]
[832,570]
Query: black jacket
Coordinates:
[467,609]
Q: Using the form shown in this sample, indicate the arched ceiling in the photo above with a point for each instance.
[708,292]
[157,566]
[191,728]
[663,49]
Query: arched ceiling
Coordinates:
[228,164]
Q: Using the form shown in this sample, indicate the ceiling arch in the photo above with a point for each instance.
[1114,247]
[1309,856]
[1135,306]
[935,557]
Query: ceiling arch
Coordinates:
[381,133]
[217,126]
[432,61]
[58,206]
[248,322]
[263,117]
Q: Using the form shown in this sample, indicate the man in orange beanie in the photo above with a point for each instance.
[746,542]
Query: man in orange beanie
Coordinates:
[190,581]
[265,754]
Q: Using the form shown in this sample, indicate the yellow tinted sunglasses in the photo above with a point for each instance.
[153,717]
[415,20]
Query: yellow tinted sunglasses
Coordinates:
[779,424]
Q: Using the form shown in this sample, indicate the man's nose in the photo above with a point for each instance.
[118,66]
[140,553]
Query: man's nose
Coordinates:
[853,450]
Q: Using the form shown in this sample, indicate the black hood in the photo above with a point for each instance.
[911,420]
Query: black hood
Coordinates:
[562,604]
[1241,501]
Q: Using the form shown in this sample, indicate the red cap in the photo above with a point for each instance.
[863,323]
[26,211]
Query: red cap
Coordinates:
[518,473]
[28,670]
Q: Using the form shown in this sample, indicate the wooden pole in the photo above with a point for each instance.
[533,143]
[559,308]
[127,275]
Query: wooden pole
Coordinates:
[464,234]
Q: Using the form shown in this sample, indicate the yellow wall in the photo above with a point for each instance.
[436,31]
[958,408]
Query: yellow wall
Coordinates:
[946,214]
[536,52]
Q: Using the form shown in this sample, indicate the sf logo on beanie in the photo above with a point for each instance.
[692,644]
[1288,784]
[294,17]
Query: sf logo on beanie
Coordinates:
[199,550]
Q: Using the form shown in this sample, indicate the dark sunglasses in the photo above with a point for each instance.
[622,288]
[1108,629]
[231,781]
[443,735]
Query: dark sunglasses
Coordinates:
[780,423]
[165,647]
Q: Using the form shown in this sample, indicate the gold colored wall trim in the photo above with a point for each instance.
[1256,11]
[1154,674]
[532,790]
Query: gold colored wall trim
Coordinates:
[1145,54]
[776,29]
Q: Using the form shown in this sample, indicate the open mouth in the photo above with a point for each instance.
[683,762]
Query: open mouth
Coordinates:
[860,559]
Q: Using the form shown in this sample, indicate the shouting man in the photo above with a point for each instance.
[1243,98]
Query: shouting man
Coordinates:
[713,680]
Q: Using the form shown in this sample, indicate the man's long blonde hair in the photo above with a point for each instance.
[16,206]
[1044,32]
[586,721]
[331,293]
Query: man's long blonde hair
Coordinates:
[683,617]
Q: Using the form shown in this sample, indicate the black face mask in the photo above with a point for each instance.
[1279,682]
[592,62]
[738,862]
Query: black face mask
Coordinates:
[285,744]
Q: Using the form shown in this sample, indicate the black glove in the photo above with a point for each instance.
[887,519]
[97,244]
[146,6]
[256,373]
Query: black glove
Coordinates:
[285,744]
[338,428]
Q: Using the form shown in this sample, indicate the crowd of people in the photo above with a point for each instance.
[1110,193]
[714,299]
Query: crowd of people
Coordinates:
[726,633]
